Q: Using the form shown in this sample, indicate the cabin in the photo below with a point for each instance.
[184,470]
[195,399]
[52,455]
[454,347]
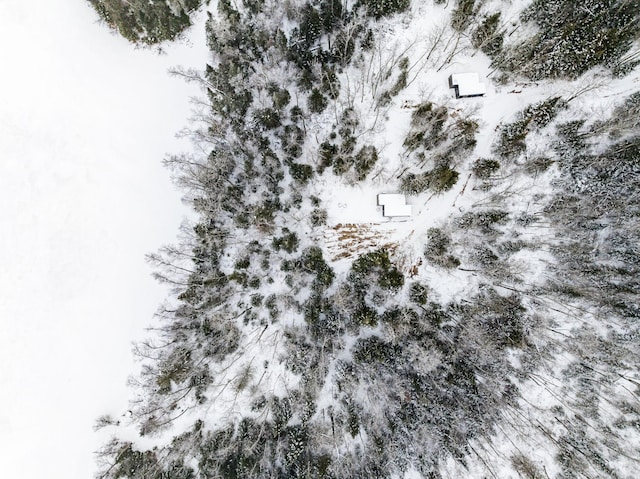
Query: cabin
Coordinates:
[467,85]
[394,205]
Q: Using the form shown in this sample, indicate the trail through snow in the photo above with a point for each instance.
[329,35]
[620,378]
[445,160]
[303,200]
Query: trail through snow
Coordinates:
[85,120]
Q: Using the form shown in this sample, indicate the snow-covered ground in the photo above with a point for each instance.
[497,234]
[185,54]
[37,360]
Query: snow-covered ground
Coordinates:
[85,120]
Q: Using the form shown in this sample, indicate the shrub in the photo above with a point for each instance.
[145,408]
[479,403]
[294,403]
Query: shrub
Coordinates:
[538,165]
[511,141]
[526,467]
[292,138]
[341,164]
[300,173]
[296,113]
[486,36]
[239,277]
[483,168]
[570,140]
[176,368]
[374,349]
[463,14]
[438,242]
[418,293]
[316,101]
[365,160]
[484,256]
[427,125]
[365,316]
[312,261]
[142,22]
[399,85]
[542,113]
[413,184]
[377,265]
[280,96]
[288,242]
[331,13]
[268,118]
[383,8]
[401,82]
[318,217]
[344,46]
[502,318]
[485,221]
[348,144]
[330,83]
[437,249]
[271,303]
[442,178]
[310,25]
[462,136]
[572,40]
[135,464]
[263,214]
[243,263]
[348,122]
[327,154]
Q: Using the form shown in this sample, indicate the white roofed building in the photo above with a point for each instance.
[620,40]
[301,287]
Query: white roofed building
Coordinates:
[467,85]
[394,204]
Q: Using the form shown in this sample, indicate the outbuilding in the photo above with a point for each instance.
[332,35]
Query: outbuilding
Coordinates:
[467,85]
[394,205]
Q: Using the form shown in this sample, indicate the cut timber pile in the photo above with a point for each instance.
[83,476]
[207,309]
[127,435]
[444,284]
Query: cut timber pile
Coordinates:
[352,239]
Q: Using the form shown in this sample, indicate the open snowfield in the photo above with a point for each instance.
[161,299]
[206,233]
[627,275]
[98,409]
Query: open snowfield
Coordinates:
[85,120]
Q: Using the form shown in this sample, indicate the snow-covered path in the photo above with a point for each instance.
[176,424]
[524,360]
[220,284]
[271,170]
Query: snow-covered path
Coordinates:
[85,120]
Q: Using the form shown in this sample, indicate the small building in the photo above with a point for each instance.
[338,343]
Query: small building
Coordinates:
[393,205]
[467,85]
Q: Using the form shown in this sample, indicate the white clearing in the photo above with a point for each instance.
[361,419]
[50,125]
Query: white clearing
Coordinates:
[85,120]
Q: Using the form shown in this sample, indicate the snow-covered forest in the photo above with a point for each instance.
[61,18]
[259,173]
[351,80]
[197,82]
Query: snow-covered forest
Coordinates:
[492,333]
